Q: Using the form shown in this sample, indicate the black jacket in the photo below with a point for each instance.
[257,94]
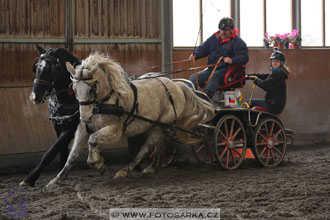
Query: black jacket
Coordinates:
[275,87]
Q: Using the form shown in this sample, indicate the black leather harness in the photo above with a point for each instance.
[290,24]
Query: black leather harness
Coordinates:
[117,110]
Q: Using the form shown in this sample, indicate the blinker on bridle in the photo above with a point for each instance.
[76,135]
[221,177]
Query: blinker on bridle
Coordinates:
[94,101]
[52,60]
[84,79]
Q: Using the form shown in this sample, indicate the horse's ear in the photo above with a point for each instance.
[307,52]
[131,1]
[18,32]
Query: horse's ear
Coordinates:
[40,49]
[70,68]
[90,73]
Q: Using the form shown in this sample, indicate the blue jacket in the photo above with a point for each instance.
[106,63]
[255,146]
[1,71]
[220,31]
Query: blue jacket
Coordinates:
[234,48]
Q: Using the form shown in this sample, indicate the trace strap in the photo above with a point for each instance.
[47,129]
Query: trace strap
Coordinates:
[134,107]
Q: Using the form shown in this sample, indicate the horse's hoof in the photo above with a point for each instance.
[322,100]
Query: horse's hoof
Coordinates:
[101,170]
[121,174]
[51,183]
[26,183]
[149,170]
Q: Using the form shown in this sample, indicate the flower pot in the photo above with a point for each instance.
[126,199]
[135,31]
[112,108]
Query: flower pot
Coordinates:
[294,45]
[279,45]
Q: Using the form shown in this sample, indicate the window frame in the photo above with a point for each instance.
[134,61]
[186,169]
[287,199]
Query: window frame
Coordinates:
[295,16]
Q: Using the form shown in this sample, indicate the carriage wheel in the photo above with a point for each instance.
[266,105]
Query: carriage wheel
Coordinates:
[168,153]
[269,142]
[230,142]
[203,152]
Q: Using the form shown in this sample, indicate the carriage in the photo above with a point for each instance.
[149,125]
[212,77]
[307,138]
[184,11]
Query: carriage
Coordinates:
[111,105]
[237,132]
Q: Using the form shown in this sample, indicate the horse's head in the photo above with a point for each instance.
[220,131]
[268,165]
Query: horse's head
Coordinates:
[91,86]
[45,67]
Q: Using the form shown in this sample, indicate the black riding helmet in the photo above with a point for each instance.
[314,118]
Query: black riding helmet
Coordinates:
[277,55]
[226,23]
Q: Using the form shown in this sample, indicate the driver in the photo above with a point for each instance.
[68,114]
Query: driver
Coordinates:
[274,84]
[224,43]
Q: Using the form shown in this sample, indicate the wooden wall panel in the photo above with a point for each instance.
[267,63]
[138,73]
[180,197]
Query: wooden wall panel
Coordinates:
[117,19]
[16,61]
[24,127]
[132,57]
[32,18]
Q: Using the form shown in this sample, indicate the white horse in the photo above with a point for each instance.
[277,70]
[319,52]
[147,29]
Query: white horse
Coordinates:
[111,106]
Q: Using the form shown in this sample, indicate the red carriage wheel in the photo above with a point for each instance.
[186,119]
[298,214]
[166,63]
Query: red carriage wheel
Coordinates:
[269,142]
[230,142]
[203,152]
[168,153]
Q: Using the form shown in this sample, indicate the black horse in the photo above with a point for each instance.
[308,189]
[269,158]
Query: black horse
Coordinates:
[53,79]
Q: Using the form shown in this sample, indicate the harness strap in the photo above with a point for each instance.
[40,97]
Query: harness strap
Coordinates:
[170,97]
[131,114]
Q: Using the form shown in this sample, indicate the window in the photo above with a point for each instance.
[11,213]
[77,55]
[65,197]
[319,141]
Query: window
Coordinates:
[187,17]
[255,18]
[213,11]
[278,17]
[327,22]
[252,22]
[186,22]
[311,22]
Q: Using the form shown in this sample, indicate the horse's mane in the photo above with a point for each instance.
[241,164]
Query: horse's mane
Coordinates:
[115,73]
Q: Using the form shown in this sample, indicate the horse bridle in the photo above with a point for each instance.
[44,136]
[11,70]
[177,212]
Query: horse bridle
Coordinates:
[53,60]
[93,88]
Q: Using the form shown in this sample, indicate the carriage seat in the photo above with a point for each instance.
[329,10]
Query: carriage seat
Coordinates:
[234,78]
[259,108]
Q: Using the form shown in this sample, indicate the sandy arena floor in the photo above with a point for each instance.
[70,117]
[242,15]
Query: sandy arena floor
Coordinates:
[298,189]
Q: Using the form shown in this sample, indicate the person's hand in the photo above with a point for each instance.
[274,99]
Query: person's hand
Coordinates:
[251,76]
[255,81]
[191,56]
[228,60]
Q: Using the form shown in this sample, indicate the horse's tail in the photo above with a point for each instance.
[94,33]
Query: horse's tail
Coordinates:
[196,111]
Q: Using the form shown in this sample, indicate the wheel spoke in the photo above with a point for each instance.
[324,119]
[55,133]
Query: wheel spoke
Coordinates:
[223,135]
[200,148]
[278,151]
[238,143]
[232,127]
[236,151]
[236,132]
[223,152]
[267,156]
[262,135]
[277,133]
[221,144]
[271,129]
[260,144]
[262,152]
[266,128]
[232,157]
[279,142]
[226,129]
[273,156]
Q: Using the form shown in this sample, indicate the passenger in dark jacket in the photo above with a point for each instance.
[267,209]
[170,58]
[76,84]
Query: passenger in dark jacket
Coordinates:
[274,84]
[224,43]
